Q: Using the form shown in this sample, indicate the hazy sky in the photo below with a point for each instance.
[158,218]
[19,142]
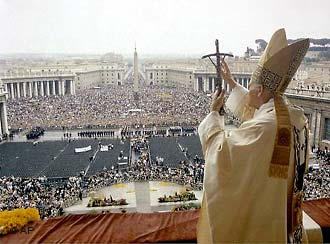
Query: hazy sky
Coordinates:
[157,26]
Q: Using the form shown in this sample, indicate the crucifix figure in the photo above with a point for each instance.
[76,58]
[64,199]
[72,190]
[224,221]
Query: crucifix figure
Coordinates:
[219,58]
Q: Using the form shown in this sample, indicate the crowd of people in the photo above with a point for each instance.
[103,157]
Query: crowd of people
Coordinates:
[110,107]
[113,107]
[323,154]
[35,133]
[317,179]
[38,193]
[52,197]
[94,134]
[189,173]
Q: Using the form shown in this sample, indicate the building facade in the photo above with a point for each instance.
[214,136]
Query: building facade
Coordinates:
[104,75]
[317,111]
[47,83]
[157,75]
[3,112]
[34,84]
[310,88]
[199,76]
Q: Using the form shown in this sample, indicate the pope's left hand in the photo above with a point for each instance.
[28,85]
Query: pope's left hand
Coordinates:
[217,100]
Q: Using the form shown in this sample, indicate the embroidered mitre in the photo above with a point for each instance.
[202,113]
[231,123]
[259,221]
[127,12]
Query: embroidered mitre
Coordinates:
[275,69]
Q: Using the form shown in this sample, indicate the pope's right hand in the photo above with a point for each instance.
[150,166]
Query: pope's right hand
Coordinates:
[218,99]
[227,76]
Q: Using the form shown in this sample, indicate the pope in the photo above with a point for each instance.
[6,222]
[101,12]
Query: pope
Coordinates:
[253,180]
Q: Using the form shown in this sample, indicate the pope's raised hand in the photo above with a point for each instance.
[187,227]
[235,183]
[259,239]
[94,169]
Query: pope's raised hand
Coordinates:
[217,100]
[226,75]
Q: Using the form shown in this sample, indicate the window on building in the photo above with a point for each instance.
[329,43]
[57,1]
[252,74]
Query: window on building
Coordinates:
[118,76]
[200,84]
[210,83]
[150,75]
[327,129]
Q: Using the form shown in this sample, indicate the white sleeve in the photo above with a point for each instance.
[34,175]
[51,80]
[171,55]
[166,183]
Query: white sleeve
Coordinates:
[212,124]
[236,100]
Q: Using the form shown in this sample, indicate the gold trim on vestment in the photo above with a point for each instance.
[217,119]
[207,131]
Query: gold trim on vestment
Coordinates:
[279,165]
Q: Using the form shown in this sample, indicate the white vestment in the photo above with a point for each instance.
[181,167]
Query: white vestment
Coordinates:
[241,202]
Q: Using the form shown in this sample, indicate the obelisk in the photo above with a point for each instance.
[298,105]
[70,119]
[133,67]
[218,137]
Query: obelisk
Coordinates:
[136,77]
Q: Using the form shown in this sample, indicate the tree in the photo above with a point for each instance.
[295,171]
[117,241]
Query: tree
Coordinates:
[261,45]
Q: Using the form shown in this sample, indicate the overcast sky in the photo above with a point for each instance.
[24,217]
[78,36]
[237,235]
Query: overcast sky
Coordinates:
[157,26]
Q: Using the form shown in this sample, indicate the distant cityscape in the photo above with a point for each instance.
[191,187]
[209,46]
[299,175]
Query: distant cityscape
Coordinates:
[42,75]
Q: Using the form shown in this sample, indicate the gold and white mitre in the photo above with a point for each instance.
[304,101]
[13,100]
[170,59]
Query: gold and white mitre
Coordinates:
[275,69]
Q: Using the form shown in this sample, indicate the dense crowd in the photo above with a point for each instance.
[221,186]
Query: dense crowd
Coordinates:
[114,107]
[109,107]
[317,179]
[52,198]
[188,172]
[96,134]
[16,192]
[323,154]
[35,133]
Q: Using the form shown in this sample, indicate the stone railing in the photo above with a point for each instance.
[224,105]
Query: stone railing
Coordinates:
[309,92]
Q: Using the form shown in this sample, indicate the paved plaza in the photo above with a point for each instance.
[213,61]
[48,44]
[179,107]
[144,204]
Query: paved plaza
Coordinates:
[141,197]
